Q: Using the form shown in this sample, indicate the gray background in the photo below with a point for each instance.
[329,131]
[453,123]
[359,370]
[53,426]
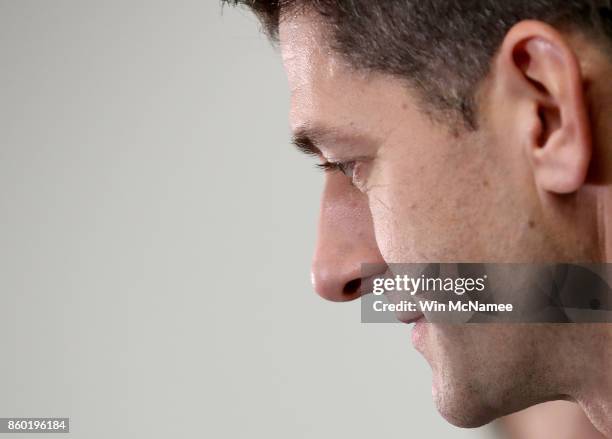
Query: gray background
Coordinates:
[155,239]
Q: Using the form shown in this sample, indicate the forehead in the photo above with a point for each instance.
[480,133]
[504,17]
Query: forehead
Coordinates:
[324,87]
[306,52]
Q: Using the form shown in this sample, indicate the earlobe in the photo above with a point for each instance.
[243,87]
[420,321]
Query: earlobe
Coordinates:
[553,126]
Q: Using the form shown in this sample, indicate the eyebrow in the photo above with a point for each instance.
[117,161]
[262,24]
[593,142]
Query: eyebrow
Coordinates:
[306,138]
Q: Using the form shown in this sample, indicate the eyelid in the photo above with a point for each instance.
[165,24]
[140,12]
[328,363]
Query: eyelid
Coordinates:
[330,166]
[342,166]
[352,169]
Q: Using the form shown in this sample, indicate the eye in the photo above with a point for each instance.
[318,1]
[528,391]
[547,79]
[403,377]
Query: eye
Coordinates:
[354,170]
[347,168]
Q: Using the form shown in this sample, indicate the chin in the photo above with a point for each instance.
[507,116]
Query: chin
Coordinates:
[461,417]
[469,404]
[483,373]
[461,401]
[462,412]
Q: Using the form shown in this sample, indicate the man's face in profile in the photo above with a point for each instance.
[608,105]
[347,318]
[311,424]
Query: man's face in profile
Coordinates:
[436,193]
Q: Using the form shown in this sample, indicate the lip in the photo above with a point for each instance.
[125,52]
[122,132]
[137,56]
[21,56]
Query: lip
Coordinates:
[416,319]
[419,331]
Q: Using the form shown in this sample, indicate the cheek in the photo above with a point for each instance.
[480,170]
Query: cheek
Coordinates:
[428,207]
[406,215]
[394,215]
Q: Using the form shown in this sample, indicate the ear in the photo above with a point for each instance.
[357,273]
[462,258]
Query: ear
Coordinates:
[542,79]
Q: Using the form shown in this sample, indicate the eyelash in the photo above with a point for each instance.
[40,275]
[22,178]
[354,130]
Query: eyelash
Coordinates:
[344,167]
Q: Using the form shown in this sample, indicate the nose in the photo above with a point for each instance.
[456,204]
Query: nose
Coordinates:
[345,241]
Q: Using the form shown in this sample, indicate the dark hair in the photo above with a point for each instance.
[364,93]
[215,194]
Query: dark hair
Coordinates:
[442,47]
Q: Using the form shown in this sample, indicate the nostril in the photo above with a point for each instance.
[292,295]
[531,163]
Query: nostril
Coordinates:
[352,287]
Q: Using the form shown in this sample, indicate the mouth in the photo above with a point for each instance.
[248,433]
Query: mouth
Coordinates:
[416,319]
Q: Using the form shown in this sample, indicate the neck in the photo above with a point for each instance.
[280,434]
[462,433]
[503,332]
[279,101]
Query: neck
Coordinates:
[592,372]
[590,345]
[604,222]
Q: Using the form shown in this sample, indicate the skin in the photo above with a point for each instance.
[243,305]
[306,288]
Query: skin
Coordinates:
[530,185]
[558,419]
